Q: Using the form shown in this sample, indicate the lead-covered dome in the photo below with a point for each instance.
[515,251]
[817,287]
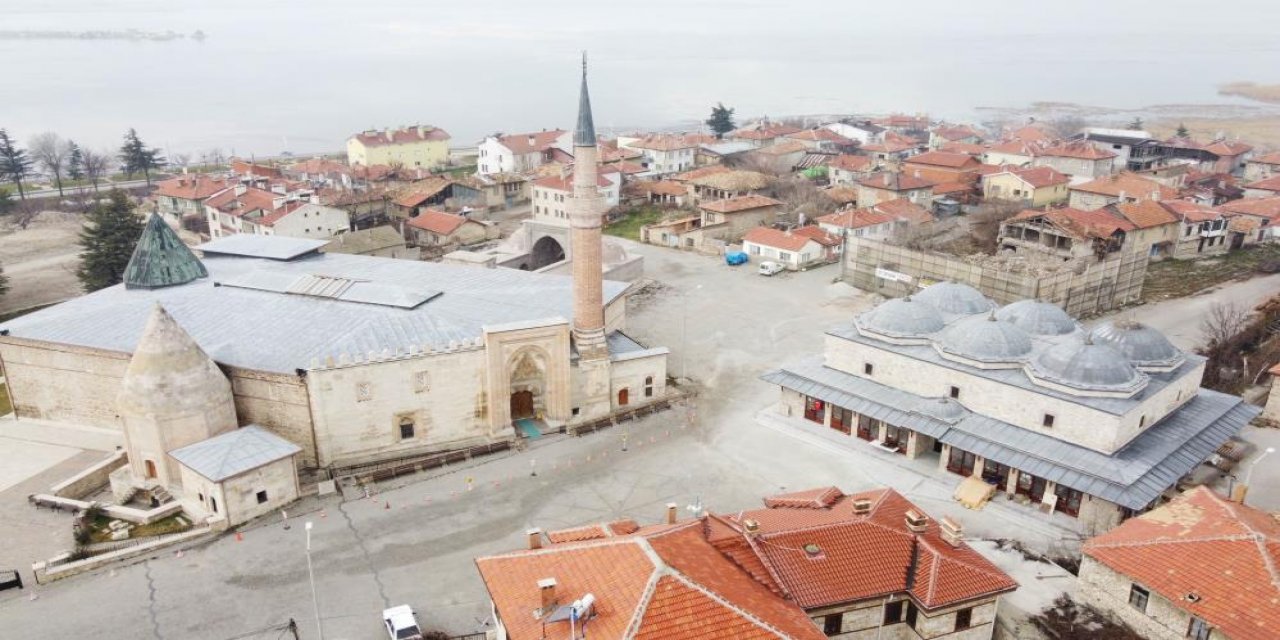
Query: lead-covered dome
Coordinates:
[985,339]
[1037,318]
[953,297]
[944,409]
[1086,365]
[1142,345]
[902,318]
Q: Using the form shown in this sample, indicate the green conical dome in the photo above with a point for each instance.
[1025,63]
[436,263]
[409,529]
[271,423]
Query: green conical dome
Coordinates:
[161,259]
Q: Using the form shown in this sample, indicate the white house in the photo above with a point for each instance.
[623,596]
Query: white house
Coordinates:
[864,132]
[521,152]
[666,153]
[795,249]
[551,195]
[255,211]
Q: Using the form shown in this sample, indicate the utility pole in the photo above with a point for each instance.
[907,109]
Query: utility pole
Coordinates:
[311,576]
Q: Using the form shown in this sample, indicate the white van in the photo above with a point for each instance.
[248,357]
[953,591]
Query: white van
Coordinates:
[768,268]
[401,623]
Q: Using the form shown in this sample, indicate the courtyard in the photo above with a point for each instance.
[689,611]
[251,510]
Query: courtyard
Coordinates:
[413,539]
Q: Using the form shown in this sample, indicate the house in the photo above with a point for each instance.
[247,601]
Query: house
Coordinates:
[418,147]
[1078,159]
[824,139]
[383,241]
[182,198]
[738,214]
[889,152]
[810,564]
[849,169]
[1135,150]
[722,152]
[1217,156]
[762,132]
[881,221]
[1154,225]
[1203,230]
[1032,186]
[901,123]
[861,131]
[1018,153]
[944,134]
[795,249]
[1264,212]
[942,166]
[1065,233]
[1084,427]
[1200,567]
[439,229]
[552,195]
[1264,188]
[879,187]
[659,192]
[254,211]
[1033,132]
[666,153]
[1119,187]
[521,152]
[717,182]
[1262,167]
[497,190]
[1209,188]
[967,148]
[780,157]
[321,173]
[419,195]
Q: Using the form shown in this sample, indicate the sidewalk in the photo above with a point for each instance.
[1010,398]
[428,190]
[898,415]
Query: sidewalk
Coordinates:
[921,482]
[60,433]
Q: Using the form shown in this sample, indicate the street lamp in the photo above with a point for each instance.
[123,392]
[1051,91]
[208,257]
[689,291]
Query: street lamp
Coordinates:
[311,575]
[684,334]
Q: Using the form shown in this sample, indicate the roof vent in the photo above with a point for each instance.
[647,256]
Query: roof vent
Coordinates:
[813,551]
[952,532]
[916,521]
[861,506]
[751,526]
[1192,597]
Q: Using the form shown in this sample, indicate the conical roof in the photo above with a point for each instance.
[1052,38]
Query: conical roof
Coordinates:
[169,373]
[161,259]
[584,135]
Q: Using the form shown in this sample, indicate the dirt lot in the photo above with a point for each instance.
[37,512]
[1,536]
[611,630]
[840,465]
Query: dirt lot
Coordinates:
[40,260]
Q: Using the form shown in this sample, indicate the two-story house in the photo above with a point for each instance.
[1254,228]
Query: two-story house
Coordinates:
[522,152]
[1032,186]
[1119,187]
[880,187]
[420,147]
[1078,159]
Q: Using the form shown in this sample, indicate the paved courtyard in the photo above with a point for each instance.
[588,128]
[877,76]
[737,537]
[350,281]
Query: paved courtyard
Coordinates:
[413,541]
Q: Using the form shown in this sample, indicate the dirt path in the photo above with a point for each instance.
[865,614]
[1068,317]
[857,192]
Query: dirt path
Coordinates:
[40,261]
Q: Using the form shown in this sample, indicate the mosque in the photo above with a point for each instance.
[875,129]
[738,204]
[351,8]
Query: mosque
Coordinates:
[274,351]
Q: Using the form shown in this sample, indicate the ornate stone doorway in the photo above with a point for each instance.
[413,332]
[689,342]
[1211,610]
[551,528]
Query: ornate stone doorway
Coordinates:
[522,405]
[528,375]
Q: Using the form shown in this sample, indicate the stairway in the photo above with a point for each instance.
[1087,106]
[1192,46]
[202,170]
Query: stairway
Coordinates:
[161,494]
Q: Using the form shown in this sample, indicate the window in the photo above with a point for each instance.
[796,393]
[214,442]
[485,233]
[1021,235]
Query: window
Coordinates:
[964,618]
[911,614]
[1198,629]
[576,410]
[893,612]
[955,392]
[867,368]
[832,623]
[1142,422]
[1048,421]
[406,428]
[262,497]
[784,256]
[213,502]
[1138,598]
[648,386]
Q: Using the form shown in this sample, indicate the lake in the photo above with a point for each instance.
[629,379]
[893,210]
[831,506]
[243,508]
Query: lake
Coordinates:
[301,76]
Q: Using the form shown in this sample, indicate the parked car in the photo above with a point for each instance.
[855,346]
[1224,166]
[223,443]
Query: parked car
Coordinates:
[768,268]
[401,623]
[735,258]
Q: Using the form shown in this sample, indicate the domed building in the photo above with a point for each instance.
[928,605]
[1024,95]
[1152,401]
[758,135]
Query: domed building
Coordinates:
[1018,400]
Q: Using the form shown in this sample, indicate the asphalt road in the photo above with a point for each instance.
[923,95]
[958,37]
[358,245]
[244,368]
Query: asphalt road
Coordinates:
[1179,318]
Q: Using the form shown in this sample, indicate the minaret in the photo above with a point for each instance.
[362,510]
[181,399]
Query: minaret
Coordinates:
[585,212]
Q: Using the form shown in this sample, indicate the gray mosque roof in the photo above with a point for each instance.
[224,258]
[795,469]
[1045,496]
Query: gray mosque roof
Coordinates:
[234,452]
[956,298]
[1037,318]
[1085,365]
[1142,345]
[985,339]
[160,259]
[902,318]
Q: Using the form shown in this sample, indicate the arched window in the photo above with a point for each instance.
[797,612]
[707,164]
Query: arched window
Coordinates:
[648,387]
[623,397]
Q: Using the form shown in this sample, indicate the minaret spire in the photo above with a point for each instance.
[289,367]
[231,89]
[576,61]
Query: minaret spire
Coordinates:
[585,212]
[585,133]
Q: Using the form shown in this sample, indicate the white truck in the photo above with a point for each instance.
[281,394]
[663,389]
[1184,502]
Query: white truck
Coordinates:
[401,623]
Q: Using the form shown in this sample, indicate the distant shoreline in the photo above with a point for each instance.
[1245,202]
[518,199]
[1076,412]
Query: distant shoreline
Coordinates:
[1268,93]
[132,35]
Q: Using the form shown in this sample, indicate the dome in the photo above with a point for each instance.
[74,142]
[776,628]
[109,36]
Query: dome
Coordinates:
[902,318]
[1142,345]
[984,339]
[1037,318]
[944,409]
[1087,366]
[953,297]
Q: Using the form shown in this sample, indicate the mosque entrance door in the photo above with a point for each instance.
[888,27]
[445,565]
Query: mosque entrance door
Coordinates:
[521,405]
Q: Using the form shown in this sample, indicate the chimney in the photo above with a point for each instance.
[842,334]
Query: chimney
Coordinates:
[861,506]
[952,532]
[533,140]
[671,512]
[547,593]
[752,527]
[241,189]
[535,542]
[916,521]
[1122,195]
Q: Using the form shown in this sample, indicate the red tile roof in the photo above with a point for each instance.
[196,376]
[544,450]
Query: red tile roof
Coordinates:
[406,135]
[1130,184]
[957,132]
[856,218]
[1189,211]
[904,209]
[1030,133]
[1080,224]
[793,240]
[889,146]
[740,203]
[1145,214]
[763,131]
[1199,543]
[1259,207]
[701,172]
[1228,147]
[783,148]
[1039,177]
[943,159]
[821,134]
[857,164]
[1027,148]
[436,221]
[539,141]
[193,187]
[1077,149]
[565,183]
[421,191]
[895,182]
[1266,184]
[966,148]
[1270,158]
[671,141]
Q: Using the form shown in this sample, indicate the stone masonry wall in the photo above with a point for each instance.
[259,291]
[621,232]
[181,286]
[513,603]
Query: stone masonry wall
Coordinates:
[1108,591]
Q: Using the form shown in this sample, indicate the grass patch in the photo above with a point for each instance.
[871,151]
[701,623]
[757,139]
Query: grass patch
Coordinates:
[1179,278]
[6,406]
[628,226]
[171,524]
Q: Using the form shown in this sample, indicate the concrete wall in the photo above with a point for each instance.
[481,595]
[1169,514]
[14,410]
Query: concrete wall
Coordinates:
[240,493]
[313,221]
[1087,201]
[91,479]
[1108,591]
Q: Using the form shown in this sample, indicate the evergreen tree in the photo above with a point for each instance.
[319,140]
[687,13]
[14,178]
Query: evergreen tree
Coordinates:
[138,157]
[6,202]
[109,237]
[15,165]
[75,161]
[1182,131]
[1136,125]
[721,120]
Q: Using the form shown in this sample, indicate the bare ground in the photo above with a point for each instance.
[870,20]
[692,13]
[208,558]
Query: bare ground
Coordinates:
[40,260]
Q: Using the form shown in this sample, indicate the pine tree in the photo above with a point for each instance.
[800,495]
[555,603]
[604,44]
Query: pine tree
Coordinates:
[1182,131]
[108,240]
[6,202]
[1136,125]
[137,157]
[15,165]
[75,161]
[721,120]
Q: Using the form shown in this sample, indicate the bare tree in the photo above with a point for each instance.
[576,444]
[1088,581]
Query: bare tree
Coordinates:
[180,160]
[213,156]
[1223,322]
[51,152]
[96,165]
[1065,126]
[984,224]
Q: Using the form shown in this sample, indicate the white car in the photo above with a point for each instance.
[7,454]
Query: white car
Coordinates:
[768,268]
[401,623]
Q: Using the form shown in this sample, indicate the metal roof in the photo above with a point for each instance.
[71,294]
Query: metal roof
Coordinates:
[1142,345]
[1037,318]
[1081,364]
[234,452]
[902,318]
[985,339]
[955,298]
[1132,477]
[161,259]
[278,332]
[255,246]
